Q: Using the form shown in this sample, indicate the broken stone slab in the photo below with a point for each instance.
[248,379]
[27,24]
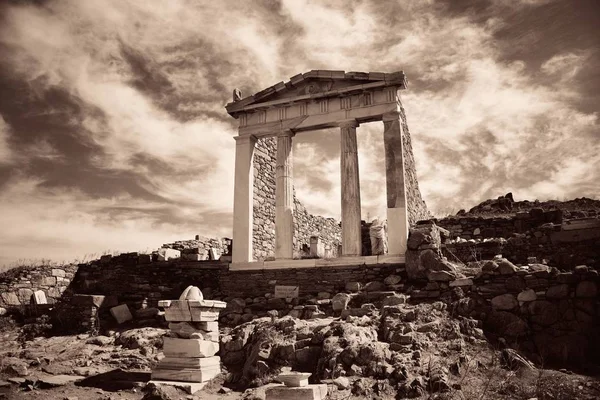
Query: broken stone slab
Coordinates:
[121,313]
[186,374]
[176,347]
[189,362]
[310,392]
[50,381]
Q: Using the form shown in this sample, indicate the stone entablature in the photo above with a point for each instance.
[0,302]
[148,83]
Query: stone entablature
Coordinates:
[317,100]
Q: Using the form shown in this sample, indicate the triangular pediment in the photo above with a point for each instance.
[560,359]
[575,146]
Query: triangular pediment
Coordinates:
[315,84]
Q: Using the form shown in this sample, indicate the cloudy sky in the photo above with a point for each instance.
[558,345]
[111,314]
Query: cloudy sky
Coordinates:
[113,134]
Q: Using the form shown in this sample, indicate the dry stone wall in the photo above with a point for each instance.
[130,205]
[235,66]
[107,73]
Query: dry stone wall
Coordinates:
[535,308]
[18,285]
[305,224]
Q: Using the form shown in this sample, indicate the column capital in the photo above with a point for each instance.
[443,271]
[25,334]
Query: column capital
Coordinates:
[391,116]
[243,139]
[286,133]
[348,123]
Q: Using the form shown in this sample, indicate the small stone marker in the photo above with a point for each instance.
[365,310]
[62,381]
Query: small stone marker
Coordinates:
[286,292]
[39,297]
[121,313]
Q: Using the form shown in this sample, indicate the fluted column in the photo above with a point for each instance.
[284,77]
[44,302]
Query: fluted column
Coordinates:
[284,197]
[396,190]
[243,191]
[351,238]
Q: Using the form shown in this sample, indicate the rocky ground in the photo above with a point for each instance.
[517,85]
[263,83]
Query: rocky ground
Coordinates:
[389,351]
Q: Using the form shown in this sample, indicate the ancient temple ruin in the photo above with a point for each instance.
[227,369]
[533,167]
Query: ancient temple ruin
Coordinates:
[315,100]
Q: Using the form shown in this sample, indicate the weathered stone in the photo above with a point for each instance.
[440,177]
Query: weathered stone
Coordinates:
[392,280]
[121,313]
[176,347]
[539,267]
[527,295]
[543,312]
[505,267]
[489,267]
[340,301]
[393,300]
[353,286]
[11,299]
[586,289]
[374,286]
[504,302]
[342,383]
[515,283]
[58,272]
[168,254]
[558,291]
[461,282]
[310,392]
[506,323]
[441,276]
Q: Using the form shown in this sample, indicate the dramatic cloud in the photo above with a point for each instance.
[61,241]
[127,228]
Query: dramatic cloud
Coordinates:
[113,133]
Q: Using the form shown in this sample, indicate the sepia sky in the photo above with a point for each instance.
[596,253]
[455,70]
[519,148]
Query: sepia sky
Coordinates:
[113,133]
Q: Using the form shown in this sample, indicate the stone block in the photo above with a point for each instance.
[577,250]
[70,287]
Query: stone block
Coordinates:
[25,295]
[310,392]
[175,347]
[188,387]
[39,297]
[186,374]
[504,302]
[527,295]
[168,254]
[48,281]
[558,291]
[58,272]
[190,362]
[586,289]
[121,313]
[286,292]
[461,282]
[11,299]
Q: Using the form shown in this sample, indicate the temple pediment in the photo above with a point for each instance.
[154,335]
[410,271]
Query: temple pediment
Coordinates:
[315,84]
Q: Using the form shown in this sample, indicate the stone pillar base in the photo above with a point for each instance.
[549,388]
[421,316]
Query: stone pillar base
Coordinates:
[309,392]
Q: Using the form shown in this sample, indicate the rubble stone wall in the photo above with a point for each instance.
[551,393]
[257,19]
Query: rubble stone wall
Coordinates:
[473,227]
[18,284]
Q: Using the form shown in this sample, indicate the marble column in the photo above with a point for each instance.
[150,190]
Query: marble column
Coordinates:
[351,238]
[396,191]
[243,191]
[284,197]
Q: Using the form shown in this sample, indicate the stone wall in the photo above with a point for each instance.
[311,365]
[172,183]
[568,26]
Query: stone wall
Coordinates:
[17,285]
[473,227]
[416,207]
[305,224]
[551,315]
[536,233]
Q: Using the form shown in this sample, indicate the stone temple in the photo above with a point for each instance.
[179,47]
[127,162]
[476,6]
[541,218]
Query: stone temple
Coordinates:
[268,122]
